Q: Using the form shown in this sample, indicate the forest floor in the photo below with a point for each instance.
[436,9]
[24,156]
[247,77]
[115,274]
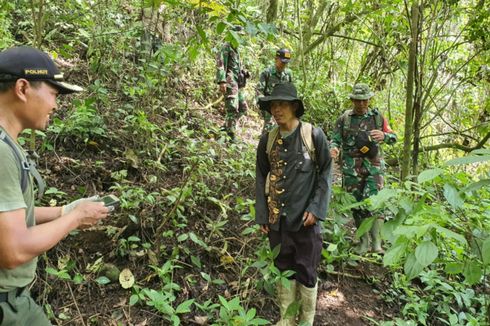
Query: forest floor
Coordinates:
[348,297]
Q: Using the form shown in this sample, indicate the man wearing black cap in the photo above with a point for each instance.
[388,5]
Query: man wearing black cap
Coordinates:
[293,189]
[270,77]
[29,85]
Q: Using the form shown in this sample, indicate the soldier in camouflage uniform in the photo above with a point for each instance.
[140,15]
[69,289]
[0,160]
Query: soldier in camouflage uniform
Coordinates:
[357,136]
[230,77]
[269,77]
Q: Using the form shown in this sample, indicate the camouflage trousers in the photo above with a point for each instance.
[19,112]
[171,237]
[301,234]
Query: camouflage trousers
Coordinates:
[236,107]
[268,121]
[362,184]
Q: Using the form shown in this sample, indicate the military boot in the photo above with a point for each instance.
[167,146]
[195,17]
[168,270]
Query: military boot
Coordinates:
[308,304]
[376,236]
[286,297]
[363,246]
[359,216]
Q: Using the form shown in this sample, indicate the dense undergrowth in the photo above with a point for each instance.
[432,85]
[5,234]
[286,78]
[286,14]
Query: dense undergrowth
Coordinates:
[184,236]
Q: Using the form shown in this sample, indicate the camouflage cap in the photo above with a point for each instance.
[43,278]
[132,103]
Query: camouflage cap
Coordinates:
[361,92]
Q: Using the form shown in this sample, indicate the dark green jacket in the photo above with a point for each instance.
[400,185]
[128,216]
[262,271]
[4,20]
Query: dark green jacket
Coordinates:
[303,184]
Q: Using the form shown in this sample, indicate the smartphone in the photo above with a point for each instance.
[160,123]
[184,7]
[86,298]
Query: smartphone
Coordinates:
[110,201]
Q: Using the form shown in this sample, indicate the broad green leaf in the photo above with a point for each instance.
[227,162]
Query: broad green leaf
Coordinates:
[276,251]
[293,309]
[220,28]
[184,307]
[251,314]
[485,251]
[182,237]
[428,175]
[454,268]
[452,196]
[332,247]
[481,151]
[452,235]
[412,267]
[469,159]
[103,280]
[381,197]
[365,226]
[472,273]
[202,34]
[224,303]
[133,299]
[411,231]
[393,255]
[426,253]
[477,185]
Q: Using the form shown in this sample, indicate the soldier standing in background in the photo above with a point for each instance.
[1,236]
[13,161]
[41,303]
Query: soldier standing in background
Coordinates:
[269,77]
[231,78]
[357,136]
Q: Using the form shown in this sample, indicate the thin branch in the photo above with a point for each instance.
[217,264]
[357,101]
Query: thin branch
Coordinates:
[466,149]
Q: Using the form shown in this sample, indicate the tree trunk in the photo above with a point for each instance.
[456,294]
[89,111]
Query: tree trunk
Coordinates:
[272,11]
[412,60]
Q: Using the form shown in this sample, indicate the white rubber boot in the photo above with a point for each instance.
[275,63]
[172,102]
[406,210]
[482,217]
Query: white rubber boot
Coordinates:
[286,297]
[308,304]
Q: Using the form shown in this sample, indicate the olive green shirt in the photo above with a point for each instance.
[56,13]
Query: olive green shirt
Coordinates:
[12,198]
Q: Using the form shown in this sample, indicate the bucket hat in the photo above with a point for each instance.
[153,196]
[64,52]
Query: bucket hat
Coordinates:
[361,92]
[33,65]
[282,92]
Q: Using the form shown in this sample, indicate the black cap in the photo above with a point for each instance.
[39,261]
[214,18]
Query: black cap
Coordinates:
[34,65]
[284,55]
[282,92]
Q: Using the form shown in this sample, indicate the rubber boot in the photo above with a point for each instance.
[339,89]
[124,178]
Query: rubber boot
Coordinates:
[286,297]
[363,246]
[376,236]
[308,304]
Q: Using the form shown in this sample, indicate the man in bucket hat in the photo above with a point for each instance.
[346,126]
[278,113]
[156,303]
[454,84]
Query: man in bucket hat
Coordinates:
[357,135]
[29,85]
[293,189]
[270,77]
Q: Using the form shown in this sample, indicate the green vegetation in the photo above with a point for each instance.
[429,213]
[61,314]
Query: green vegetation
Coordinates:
[145,130]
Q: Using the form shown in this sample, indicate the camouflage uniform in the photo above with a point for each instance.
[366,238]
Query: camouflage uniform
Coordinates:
[362,175]
[228,66]
[269,78]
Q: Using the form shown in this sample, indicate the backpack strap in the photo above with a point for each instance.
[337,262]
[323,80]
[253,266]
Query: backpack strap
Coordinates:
[378,119]
[306,131]
[271,138]
[27,166]
[346,121]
